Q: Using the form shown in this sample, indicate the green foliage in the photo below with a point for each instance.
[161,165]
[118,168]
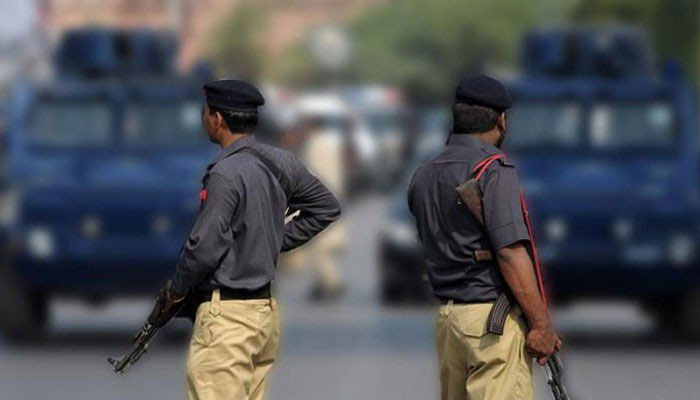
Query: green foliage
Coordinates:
[298,68]
[631,11]
[673,24]
[676,33]
[426,46]
[237,42]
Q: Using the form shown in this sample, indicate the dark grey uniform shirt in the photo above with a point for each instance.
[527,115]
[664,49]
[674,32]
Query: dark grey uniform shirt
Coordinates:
[448,231]
[240,229]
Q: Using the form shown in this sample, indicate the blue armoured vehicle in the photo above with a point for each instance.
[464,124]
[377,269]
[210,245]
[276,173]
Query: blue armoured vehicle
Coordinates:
[606,148]
[102,173]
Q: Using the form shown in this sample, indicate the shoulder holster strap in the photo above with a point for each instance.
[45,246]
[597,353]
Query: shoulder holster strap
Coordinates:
[483,165]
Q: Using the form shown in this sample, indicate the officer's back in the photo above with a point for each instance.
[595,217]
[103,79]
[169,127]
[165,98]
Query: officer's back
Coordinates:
[449,233]
[240,230]
[257,190]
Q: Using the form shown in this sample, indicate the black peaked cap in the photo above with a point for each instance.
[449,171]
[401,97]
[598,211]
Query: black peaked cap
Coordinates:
[233,94]
[485,91]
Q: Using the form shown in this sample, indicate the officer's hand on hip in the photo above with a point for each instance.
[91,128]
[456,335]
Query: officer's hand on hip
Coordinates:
[541,342]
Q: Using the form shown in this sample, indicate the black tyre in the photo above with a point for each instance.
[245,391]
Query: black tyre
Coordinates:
[678,316]
[688,320]
[23,312]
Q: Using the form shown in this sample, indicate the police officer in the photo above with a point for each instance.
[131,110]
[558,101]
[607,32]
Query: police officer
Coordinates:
[476,364]
[229,258]
[323,152]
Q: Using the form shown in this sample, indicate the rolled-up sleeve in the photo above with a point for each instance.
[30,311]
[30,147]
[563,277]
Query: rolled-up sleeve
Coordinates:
[210,238]
[503,214]
[317,207]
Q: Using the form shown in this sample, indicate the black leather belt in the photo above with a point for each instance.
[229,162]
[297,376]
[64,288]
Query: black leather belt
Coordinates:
[264,292]
[444,300]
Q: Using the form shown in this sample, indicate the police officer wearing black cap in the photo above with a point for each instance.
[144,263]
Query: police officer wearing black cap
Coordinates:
[229,258]
[471,261]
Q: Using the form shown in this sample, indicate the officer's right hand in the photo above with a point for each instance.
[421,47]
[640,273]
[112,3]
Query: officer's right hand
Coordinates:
[541,342]
[164,303]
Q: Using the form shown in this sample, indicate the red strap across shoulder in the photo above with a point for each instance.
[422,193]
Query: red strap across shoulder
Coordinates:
[536,261]
[479,171]
[483,165]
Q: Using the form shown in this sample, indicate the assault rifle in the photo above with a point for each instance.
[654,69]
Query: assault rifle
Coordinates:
[156,320]
[554,371]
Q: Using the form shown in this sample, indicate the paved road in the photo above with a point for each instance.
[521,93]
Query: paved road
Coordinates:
[354,349]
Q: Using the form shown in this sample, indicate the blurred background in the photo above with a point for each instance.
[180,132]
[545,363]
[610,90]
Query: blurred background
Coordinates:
[102,155]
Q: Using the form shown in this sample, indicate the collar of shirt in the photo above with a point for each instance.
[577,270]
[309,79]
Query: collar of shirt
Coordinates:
[467,140]
[245,141]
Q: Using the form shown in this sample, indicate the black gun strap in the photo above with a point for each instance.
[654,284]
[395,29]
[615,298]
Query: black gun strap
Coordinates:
[276,171]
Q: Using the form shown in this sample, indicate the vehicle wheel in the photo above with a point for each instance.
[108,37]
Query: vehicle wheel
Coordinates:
[678,316]
[23,313]
[664,311]
[688,320]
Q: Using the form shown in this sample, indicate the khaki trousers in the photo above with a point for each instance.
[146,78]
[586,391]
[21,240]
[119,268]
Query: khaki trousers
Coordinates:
[476,365]
[233,348]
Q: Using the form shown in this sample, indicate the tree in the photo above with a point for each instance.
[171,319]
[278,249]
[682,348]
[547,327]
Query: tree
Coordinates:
[426,46]
[673,25]
[237,43]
